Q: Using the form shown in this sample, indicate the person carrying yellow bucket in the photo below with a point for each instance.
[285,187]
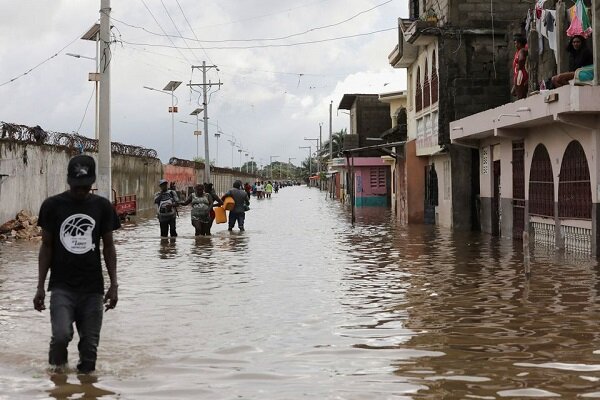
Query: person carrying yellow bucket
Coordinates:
[241,204]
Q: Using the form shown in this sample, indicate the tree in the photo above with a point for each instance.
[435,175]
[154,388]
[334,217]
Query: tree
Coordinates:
[337,140]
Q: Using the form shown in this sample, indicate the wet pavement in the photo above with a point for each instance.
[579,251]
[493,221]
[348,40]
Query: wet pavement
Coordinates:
[303,306]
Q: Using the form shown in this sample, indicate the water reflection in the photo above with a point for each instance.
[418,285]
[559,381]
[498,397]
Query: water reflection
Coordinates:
[85,389]
[303,305]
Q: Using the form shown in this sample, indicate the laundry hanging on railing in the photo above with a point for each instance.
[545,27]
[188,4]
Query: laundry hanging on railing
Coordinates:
[580,20]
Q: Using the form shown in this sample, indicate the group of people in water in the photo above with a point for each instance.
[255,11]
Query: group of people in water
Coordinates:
[203,200]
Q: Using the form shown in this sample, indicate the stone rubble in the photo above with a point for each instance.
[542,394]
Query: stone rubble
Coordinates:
[23,227]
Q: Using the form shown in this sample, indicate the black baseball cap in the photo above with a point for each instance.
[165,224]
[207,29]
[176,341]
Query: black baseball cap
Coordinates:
[81,171]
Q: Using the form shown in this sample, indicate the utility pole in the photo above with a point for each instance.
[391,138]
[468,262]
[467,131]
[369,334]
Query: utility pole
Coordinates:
[271,165]
[309,159]
[205,85]
[330,132]
[320,144]
[104,183]
[289,163]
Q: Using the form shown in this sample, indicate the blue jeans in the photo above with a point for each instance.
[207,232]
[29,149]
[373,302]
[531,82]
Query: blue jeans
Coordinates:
[236,217]
[86,311]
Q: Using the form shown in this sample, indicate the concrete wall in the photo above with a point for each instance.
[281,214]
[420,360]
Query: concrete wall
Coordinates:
[444,208]
[415,184]
[35,172]
[136,175]
[556,138]
[372,119]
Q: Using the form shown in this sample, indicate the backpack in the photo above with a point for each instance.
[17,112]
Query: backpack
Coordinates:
[166,207]
[200,207]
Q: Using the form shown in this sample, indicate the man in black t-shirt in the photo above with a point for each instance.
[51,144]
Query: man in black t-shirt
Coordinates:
[72,225]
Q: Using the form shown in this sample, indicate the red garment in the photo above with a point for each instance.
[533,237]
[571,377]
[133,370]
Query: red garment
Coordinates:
[524,75]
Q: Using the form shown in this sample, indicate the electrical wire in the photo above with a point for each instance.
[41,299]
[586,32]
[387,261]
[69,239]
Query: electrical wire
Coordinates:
[85,111]
[177,29]
[269,45]
[262,39]
[262,16]
[161,28]
[41,63]
[193,32]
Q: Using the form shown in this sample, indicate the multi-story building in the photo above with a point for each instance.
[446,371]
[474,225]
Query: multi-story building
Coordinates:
[457,56]
[539,156]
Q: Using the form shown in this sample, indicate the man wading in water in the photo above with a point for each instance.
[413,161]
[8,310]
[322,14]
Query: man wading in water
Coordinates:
[72,225]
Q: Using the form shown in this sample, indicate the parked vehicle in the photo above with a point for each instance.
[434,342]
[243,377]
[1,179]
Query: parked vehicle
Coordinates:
[125,205]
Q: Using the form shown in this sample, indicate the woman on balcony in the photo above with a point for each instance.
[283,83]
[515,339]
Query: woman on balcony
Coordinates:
[579,56]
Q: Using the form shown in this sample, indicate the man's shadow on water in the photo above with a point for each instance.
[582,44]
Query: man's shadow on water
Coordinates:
[168,248]
[85,389]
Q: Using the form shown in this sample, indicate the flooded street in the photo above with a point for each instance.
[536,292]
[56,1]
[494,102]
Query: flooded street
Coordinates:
[303,306]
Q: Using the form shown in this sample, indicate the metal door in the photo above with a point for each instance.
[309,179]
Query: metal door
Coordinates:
[496,200]
[518,178]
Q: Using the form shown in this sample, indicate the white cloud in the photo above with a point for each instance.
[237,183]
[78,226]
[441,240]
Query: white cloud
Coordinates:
[270,100]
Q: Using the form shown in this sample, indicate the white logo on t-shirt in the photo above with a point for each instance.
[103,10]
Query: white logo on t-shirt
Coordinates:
[76,234]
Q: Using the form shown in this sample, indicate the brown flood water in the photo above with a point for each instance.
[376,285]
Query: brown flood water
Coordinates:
[303,306]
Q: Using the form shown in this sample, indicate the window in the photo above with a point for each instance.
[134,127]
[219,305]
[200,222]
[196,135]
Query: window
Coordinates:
[541,183]
[418,92]
[574,189]
[377,177]
[434,80]
[426,88]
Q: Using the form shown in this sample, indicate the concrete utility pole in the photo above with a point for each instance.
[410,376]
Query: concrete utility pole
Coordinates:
[104,182]
[309,158]
[318,147]
[271,165]
[330,132]
[289,163]
[205,85]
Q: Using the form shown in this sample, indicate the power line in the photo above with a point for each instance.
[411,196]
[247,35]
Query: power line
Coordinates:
[40,64]
[177,29]
[269,45]
[86,109]
[161,28]
[193,32]
[260,39]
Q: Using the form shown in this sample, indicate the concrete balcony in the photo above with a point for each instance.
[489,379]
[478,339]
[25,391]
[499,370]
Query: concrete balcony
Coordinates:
[405,53]
[571,105]
[419,32]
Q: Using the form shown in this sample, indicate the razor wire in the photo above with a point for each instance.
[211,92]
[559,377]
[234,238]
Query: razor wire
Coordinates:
[73,141]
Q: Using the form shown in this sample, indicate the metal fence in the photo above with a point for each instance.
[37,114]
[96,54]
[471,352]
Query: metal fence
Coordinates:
[73,141]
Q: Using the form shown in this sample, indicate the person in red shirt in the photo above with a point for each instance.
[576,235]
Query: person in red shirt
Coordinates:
[520,76]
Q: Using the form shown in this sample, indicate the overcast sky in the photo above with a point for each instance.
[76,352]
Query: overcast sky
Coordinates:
[271,98]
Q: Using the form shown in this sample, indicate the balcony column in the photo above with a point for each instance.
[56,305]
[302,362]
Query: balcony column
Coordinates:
[596,38]
[562,61]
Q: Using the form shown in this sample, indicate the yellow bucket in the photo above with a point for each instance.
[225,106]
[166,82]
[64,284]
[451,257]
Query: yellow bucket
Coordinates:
[220,215]
[228,203]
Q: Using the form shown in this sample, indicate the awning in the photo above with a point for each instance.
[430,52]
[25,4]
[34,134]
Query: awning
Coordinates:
[385,148]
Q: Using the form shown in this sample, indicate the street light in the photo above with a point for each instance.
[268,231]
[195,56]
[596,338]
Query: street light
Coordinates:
[92,77]
[309,158]
[170,87]
[253,165]
[271,165]
[318,147]
[232,142]
[197,133]
[289,163]
[217,135]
